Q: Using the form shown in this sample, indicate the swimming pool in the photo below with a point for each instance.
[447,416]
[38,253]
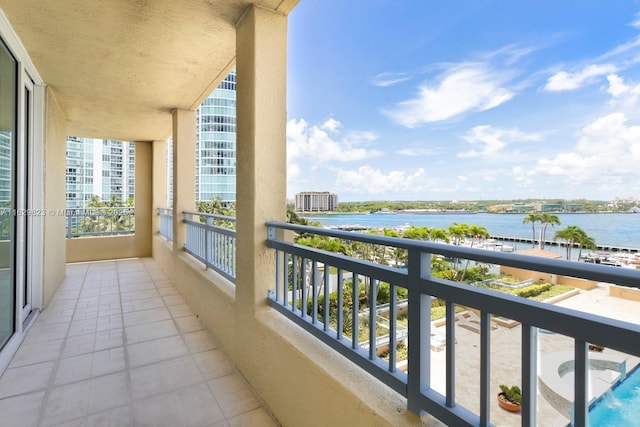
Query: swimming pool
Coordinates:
[620,406]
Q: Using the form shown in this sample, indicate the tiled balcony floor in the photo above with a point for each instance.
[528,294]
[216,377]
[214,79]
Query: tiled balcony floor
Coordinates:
[118,346]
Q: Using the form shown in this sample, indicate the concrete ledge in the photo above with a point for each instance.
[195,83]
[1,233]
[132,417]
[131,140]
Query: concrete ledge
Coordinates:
[609,369]
[632,294]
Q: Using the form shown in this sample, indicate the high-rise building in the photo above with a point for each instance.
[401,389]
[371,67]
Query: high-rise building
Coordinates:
[216,143]
[104,168]
[316,201]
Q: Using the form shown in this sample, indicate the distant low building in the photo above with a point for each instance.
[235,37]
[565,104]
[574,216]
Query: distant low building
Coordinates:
[316,201]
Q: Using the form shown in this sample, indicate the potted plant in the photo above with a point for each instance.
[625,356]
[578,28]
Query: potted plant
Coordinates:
[596,347]
[510,398]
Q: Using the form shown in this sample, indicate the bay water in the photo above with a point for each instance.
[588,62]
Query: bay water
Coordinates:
[607,229]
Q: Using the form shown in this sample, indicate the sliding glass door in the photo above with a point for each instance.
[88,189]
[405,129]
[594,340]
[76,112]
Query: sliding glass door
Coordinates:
[8,143]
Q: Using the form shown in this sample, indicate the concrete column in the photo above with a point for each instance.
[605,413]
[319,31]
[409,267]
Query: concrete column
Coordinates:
[159,185]
[261,64]
[184,172]
[143,198]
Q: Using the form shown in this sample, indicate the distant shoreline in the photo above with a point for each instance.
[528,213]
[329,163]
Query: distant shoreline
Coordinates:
[459,212]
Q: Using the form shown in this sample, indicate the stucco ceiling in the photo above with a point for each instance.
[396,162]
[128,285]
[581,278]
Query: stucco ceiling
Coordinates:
[119,67]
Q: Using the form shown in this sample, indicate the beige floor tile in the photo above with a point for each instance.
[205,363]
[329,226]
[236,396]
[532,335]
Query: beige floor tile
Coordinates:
[21,410]
[109,391]
[188,324]
[85,313]
[30,353]
[154,351]
[181,310]
[46,332]
[142,304]
[150,331]
[173,300]
[167,291]
[90,365]
[82,327]
[162,283]
[66,403]
[79,344]
[108,339]
[25,379]
[57,315]
[214,364]
[109,321]
[109,308]
[163,377]
[255,418]
[116,417]
[128,295]
[233,395]
[146,316]
[191,406]
[199,341]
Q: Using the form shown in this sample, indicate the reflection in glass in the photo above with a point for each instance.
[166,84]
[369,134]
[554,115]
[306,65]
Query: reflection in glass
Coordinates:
[8,83]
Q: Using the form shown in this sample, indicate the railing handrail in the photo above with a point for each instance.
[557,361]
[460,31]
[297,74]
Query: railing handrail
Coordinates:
[598,272]
[101,208]
[76,219]
[212,244]
[210,215]
[583,327]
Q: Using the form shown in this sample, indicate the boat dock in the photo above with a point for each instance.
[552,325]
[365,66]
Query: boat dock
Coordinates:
[608,248]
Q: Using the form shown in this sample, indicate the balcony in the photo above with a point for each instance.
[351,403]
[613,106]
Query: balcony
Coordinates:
[118,346]
[460,361]
[70,367]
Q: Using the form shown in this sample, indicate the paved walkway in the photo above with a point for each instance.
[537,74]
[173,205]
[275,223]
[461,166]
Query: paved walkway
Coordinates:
[119,347]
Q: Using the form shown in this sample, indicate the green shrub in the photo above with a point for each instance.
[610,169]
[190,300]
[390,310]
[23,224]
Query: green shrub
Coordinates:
[533,290]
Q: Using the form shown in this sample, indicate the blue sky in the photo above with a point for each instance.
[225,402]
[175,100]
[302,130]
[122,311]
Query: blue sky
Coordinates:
[464,100]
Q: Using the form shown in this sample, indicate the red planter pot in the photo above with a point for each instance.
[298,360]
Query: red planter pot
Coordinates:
[505,404]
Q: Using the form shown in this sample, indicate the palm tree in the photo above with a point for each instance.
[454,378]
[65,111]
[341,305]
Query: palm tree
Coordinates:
[571,235]
[586,242]
[457,232]
[439,234]
[546,220]
[476,232]
[532,218]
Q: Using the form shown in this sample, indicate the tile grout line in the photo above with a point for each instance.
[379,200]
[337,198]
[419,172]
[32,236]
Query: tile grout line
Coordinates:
[127,362]
[49,387]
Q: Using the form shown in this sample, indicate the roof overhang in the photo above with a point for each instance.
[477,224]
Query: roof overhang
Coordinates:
[118,68]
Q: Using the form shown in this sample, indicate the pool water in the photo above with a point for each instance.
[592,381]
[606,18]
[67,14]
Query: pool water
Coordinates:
[620,406]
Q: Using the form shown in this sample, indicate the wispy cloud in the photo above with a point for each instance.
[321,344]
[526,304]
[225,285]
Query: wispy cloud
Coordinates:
[389,79]
[491,141]
[460,89]
[369,181]
[325,142]
[416,152]
[607,153]
[563,80]
[623,95]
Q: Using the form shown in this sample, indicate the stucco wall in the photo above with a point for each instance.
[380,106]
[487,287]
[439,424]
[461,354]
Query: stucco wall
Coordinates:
[297,377]
[55,145]
[115,247]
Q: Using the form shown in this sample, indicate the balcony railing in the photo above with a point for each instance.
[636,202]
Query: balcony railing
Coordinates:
[302,273]
[212,240]
[100,221]
[166,223]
